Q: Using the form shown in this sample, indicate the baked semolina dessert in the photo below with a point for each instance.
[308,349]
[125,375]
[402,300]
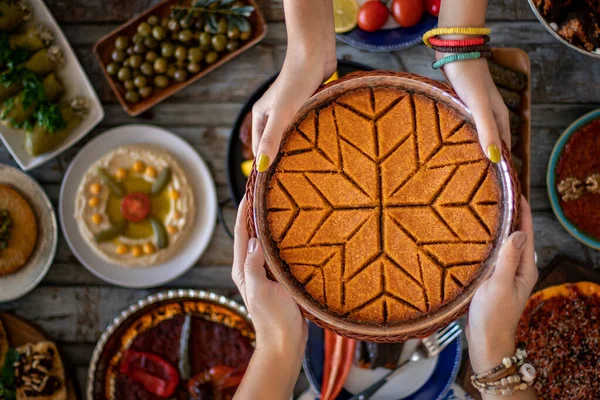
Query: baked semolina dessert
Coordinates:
[382,206]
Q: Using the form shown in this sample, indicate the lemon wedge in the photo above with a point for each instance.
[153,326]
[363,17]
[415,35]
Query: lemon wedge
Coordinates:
[247,167]
[333,77]
[344,15]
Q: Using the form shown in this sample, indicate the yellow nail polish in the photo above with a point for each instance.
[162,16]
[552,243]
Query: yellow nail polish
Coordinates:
[494,153]
[262,163]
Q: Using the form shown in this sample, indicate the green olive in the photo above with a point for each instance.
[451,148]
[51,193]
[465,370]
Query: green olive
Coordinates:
[207,28]
[150,42]
[118,55]
[180,53]
[211,57]
[124,74]
[204,38]
[181,64]
[125,63]
[135,61]
[194,68]
[159,33]
[180,75]
[171,69]
[112,68]
[146,91]
[132,97]
[144,29]
[139,48]
[153,20]
[129,50]
[233,33]
[164,23]
[186,23]
[137,38]
[140,81]
[173,25]
[121,43]
[151,56]
[129,85]
[185,36]
[160,65]
[146,69]
[167,50]
[219,42]
[232,45]
[246,35]
[222,25]
[195,55]
[161,81]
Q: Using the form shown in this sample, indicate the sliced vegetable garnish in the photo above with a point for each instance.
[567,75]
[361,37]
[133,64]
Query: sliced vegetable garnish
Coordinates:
[161,181]
[162,239]
[111,232]
[114,186]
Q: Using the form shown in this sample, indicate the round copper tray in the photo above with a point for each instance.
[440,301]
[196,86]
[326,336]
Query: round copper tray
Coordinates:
[108,343]
[419,327]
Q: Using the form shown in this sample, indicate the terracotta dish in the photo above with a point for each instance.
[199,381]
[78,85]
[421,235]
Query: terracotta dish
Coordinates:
[382,213]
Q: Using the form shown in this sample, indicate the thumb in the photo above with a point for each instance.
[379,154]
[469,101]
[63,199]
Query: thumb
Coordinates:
[271,139]
[509,257]
[254,270]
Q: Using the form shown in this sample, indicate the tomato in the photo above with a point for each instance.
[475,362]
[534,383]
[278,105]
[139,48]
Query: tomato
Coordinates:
[372,16]
[407,12]
[135,207]
[156,374]
[433,7]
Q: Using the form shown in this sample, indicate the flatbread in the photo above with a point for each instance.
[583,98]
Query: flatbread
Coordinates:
[24,231]
[49,367]
[3,344]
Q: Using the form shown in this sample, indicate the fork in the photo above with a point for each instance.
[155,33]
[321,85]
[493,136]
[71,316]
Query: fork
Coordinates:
[429,347]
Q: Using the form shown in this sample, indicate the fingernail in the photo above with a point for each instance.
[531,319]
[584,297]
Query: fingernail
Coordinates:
[519,240]
[262,163]
[252,243]
[493,153]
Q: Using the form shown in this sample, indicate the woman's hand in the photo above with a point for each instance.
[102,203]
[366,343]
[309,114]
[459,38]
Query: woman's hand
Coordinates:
[499,302]
[310,59]
[281,331]
[474,85]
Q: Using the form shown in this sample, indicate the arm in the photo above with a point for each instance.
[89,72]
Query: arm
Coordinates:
[499,302]
[310,59]
[472,80]
[281,330]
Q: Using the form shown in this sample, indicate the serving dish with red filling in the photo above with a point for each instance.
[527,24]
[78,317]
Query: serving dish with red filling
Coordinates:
[183,344]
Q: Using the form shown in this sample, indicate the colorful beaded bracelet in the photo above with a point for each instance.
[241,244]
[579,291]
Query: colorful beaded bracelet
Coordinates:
[454,31]
[435,41]
[465,49]
[460,57]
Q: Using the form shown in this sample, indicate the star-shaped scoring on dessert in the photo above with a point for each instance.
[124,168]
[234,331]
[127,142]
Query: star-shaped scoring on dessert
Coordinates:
[383,206]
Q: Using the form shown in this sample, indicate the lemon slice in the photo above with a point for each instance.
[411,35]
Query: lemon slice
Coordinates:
[247,167]
[344,15]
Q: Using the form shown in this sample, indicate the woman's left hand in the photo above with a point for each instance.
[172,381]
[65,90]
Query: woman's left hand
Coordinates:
[473,83]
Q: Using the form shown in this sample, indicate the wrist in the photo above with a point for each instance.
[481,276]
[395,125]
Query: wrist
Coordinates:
[487,356]
[281,343]
[320,64]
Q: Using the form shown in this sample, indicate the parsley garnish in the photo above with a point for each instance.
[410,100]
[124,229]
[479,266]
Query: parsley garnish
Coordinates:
[49,117]
[7,377]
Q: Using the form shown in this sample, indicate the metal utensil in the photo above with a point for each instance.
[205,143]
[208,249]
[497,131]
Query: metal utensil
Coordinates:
[429,347]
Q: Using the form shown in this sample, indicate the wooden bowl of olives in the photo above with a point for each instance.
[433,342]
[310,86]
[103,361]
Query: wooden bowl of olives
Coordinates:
[173,44]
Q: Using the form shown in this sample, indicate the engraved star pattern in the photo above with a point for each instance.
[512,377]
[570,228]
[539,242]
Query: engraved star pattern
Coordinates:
[383,205]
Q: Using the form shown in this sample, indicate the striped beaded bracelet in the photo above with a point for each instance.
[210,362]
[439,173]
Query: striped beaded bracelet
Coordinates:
[435,41]
[460,57]
[454,31]
[465,49]
[514,374]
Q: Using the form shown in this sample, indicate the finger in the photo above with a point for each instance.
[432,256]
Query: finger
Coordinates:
[271,138]
[259,120]
[501,115]
[509,257]
[254,270]
[240,249]
[487,130]
[527,273]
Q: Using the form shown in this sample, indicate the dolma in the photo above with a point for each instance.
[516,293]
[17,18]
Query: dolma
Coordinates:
[13,13]
[33,39]
[44,61]
[18,109]
[41,139]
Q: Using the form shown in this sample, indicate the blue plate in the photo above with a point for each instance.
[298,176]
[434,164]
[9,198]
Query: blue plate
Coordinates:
[389,39]
[551,180]
[434,389]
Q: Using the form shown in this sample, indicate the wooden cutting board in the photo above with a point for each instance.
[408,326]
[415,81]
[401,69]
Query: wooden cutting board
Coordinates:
[20,332]
[560,270]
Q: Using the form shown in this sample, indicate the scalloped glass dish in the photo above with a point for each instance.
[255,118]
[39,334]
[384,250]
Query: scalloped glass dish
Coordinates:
[411,328]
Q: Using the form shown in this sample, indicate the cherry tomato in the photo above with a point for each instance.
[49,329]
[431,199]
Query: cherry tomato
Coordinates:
[372,15]
[433,7]
[135,207]
[407,12]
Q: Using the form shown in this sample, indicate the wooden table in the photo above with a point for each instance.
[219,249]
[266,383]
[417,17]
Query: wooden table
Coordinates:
[74,306]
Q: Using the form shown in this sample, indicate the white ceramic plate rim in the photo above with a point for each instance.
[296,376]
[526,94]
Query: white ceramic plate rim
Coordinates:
[205,198]
[76,83]
[45,251]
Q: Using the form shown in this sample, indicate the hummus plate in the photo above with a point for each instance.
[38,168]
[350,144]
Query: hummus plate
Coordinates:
[145,141]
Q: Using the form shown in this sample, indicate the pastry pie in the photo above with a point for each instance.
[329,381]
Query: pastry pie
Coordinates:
[382,206]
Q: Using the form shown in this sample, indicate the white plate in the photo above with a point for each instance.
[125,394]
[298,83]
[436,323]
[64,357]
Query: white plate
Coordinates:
[406,382]
[205,196]
[23,281]
[76,83]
